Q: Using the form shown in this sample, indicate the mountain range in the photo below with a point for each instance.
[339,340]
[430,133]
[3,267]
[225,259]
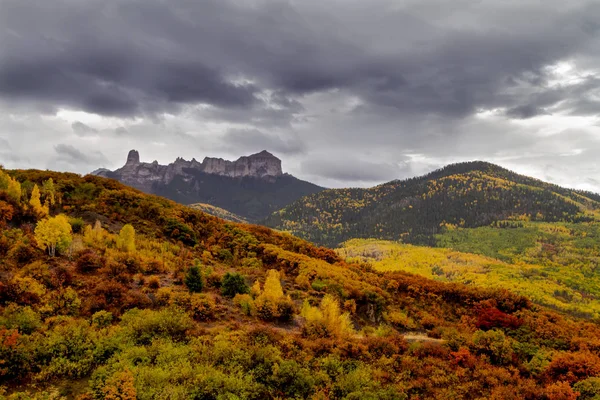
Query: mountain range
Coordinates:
[252,186]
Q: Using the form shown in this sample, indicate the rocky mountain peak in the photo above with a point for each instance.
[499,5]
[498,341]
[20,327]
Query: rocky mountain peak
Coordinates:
[133,157]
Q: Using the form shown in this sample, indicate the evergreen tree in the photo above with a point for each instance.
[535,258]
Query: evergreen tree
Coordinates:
[232,284]
[194,280]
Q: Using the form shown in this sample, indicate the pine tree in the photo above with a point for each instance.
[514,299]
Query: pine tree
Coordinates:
[232,284]
[194,280]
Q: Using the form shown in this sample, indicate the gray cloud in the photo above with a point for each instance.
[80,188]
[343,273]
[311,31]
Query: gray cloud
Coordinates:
[71,155]
[401,86]
[4,145]
[353,170]
[82,129]
[253,140]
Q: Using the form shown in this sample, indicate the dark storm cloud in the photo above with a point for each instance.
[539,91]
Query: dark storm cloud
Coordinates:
[436,81]
[525,111]
[128,58]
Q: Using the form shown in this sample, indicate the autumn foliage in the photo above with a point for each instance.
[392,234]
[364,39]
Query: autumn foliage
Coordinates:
[109,314]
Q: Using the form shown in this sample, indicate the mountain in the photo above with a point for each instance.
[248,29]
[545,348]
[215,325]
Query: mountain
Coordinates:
[252,186]
[468,194]
[110,293]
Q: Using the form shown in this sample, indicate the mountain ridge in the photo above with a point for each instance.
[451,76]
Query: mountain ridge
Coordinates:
[252,186]
[466,194]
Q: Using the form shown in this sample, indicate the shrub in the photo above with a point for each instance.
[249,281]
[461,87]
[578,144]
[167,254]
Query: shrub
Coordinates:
[326,320]
[22,253]
[89,261]
[202,307]
[24,319]
[66,302]
[153,282]
[145,325]
[589,389]
[102,319]
[246,303]
[232,284]
[77,224]
[491,317]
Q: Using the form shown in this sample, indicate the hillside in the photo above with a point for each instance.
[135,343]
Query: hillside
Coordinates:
[110,293]
[217,212]
[563,280]
[467,195]
[252,186]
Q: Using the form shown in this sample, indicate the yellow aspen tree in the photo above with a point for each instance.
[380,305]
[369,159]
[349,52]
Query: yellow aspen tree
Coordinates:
[14,189]
[272,288]
[36,204]
[54,234]
[126,240]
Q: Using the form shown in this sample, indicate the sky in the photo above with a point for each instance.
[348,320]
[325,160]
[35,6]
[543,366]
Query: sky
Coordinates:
[345,92]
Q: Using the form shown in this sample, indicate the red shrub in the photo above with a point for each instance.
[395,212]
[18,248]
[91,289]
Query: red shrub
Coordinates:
[490,317]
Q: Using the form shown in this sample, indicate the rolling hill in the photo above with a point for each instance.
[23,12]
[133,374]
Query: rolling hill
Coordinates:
[471,194]
[110,293]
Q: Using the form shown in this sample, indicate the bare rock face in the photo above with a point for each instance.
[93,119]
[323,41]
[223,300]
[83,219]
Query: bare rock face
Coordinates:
[258,165]
[144,176]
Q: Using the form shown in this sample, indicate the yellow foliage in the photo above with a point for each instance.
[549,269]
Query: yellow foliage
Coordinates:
[54,233]
[95,235]
[126,240]
[120,387]
[327,319]
[256,290]
[272,289]
[36,204]
[30,285]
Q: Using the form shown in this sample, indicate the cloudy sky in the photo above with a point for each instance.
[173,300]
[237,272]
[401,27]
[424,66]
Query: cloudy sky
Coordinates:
[345,92]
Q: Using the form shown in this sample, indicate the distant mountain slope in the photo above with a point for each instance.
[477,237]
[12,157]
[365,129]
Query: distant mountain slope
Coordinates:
[468,194]
[217,212]
[253,186]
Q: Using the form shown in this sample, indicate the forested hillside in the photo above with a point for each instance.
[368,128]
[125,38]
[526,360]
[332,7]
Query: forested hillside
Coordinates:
[251,198]
[109,293]
[466,195]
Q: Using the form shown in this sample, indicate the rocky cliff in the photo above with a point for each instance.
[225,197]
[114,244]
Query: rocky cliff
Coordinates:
[144,176]
[252,186]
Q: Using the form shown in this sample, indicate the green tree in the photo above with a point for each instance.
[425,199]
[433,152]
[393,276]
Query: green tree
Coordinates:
[54,234]
[232,284]
[49,191]
[194,280]
[126,240]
